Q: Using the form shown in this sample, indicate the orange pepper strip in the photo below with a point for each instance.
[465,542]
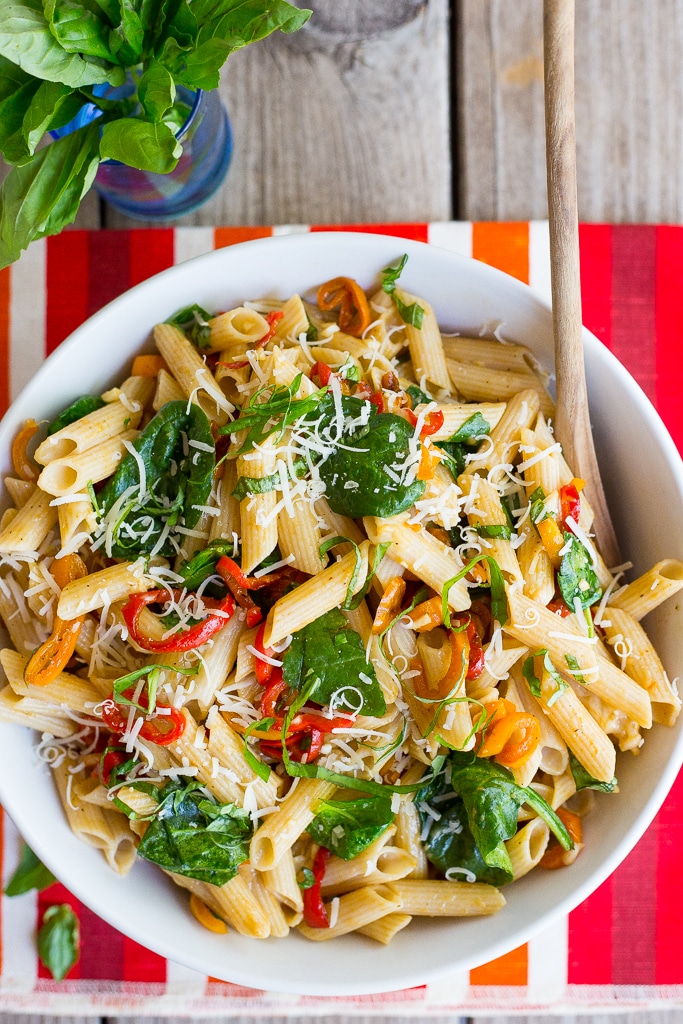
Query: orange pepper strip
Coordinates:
[206,917]
[426,616]
[429,460]
[494,711]
[388,607]
[516,736]
[553,540]
[23,464]
[555,856]
[52,657]
[148,366]
[347,294]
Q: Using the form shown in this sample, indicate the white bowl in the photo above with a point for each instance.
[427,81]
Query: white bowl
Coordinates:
[644,479]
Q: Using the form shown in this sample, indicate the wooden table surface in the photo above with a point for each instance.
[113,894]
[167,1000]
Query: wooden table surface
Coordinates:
[417,110]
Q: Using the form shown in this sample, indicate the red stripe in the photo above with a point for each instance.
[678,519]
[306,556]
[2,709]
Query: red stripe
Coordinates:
[109,261]
[68,269]
[634,914]
[151,251]
[50,897]
[595,241]
[669,935]
[141,964]
[590,939]
[633,302]
[416,232]
[101,948]
[669,318]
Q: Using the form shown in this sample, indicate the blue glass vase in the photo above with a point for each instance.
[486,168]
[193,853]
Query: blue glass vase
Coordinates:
[206,138]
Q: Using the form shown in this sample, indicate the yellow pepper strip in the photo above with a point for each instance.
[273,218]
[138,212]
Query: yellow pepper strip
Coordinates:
[389,606]
[426,616]
[578,483]
[557,857]
[206,917]
[52,657]
[553,540]
[23,465]
[429,460]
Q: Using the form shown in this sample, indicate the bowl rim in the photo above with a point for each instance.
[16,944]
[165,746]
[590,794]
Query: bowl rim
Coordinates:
[492,278]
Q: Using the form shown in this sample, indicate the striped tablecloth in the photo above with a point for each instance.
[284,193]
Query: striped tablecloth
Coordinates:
[621,948]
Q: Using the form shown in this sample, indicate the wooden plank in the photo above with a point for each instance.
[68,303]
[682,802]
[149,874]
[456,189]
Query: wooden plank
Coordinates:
[629,110]
[345,121]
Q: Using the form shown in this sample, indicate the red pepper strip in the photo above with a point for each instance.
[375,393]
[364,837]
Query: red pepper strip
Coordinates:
[377,398]
[559,607]
[263,670]
[229,569]
[433,422]
[315,914]
[161,729]
[273,320]
[301,728]
[570,503]
[322,371]
[475,662]
[271,695]
[111,760]
[191,638]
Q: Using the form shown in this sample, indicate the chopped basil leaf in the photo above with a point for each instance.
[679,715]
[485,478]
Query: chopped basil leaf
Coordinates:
[538,510]
[500,532]
[30,874]
[305,878]
[203,564]
[347,827]
[194,322]
[533,680]
[58,940]
[576,576]
[412,314]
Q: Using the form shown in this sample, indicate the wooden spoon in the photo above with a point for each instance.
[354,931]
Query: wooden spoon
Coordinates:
[572,421]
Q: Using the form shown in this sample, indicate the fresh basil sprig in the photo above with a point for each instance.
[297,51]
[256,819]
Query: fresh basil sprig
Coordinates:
[57,56]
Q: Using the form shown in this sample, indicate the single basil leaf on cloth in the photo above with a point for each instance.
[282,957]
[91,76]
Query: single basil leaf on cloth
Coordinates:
[26,39]
[41,197]
[576,576]
[366,477]
[178,480]
[30,874]
[156,90]
[81,407]
[141,144]
[194,837]
[584,780]
[347,827]
[59,940]
[332,653]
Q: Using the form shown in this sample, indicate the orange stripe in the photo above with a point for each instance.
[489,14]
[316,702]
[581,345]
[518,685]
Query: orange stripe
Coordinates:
[510,969]
[230,236]
[4,337]
[505,246]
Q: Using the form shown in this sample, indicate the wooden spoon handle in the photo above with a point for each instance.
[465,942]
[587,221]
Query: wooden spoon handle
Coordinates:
[572,420]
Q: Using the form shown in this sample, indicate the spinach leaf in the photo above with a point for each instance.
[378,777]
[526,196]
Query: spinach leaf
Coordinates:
[467,435]
[58,940]
[347,827]
[204,562]
[178,481]
[194,321]
[42,196]
[328,658]
[141,144]
[584,780]
[576,576]
[356,479]
[81,407]
[26,40]
[30,874]
[192,836]
[418,396]
[412,314]
[492,798]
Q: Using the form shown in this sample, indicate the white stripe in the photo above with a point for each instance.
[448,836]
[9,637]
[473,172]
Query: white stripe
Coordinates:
[191,242]
[547,977]
[539,257]
[19,917]
[453,235]
[183,980]
[27,316]
[451,991]
[291,229]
